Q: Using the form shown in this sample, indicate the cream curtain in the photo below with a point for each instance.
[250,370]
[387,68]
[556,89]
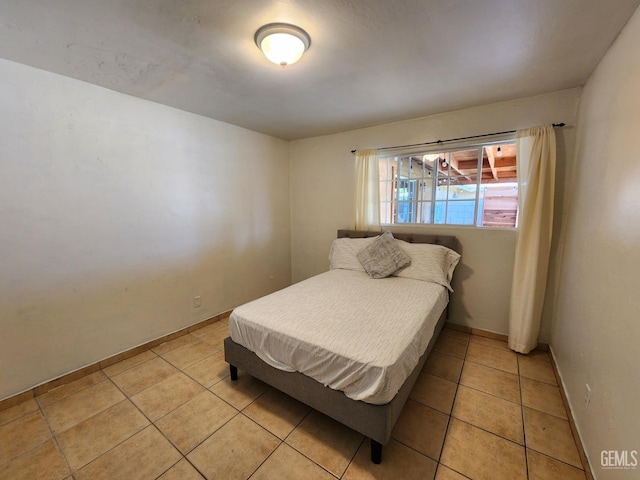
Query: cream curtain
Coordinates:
[536,157]
[367,190]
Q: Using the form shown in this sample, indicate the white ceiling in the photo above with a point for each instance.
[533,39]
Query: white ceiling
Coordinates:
[370,61]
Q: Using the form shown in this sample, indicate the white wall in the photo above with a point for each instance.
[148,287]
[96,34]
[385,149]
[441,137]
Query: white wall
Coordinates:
[596,332]
[322,192]
[115,212]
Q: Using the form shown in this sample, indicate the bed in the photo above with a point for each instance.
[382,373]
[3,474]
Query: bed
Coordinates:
[316,343]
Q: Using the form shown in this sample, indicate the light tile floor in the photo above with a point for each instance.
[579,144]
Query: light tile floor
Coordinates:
[478,411]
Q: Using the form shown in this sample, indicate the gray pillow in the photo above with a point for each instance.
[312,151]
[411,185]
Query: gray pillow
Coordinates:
[383,256]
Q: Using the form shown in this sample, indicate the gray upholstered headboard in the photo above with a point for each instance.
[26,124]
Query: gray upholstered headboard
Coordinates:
[448,241]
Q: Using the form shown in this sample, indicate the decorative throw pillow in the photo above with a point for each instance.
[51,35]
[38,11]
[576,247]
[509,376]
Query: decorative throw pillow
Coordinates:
[383,256]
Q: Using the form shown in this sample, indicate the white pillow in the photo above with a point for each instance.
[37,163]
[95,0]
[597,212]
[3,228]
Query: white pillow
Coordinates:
[344,251]
[430,263]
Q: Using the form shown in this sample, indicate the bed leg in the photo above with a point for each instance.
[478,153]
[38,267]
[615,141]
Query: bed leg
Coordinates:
[234,372]
[376,452]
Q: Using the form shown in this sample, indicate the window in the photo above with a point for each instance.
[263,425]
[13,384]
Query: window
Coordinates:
[472,185]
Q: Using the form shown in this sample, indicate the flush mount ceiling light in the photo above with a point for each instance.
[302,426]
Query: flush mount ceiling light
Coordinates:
[282,43]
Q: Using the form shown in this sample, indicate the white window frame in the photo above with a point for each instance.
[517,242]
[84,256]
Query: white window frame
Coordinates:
[389,207]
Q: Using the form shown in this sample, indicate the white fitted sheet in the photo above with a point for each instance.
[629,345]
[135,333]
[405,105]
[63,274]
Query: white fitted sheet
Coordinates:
[350,332]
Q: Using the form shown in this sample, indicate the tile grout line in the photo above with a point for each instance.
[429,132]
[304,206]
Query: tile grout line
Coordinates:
[492,394]
[194,467]
[524,431]
[422,453]
[556,459]
[203,440]
[510,373]
[184,455]
[490,432]
[152,423]
[507,349]
[450,415]
[354,456]
[55,441]
[364,439]
[266,430]
[36,398]
[546,413]
[238,412]
[284,440]
[176,347]
[584,459]
[131,367]
[163,436]
[305,455]
[126,398]
[204,386]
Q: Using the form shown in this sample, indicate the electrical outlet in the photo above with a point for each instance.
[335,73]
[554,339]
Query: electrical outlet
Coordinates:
[197,301]
[587,395]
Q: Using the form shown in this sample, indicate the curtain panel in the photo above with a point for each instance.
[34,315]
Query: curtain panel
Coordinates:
[536,156]
[367,202]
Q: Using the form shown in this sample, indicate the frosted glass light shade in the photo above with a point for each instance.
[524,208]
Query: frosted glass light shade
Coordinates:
[282,48]
[282,43]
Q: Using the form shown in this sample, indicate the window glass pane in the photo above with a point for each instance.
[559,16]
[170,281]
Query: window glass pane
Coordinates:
[498,206]
[385,212]
[416,167]
[393,167]
[460,212]
[463,188]
[402,170]
[383,168]
[442,190]
[440,213]
[402,190]
[430,164]
[425,213]
[385,185]
[443,164]
[406,212]
[499,163]
[384,171]
[385,191]
[425,189]
[464,162]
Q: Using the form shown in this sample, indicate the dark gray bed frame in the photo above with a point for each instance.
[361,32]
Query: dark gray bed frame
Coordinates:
[373,421]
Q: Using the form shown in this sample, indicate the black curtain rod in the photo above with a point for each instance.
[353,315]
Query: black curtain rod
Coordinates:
[454,139]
